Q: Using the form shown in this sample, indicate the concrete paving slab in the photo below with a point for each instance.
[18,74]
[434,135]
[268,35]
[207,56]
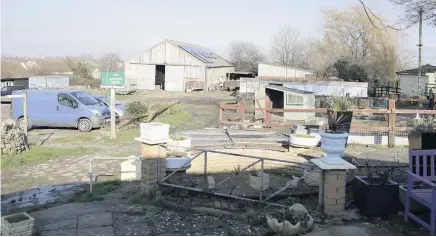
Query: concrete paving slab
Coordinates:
[96,231]
[95,220]
[71,232]
[59,225]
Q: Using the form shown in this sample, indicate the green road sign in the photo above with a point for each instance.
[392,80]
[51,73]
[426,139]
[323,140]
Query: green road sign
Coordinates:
[112,79]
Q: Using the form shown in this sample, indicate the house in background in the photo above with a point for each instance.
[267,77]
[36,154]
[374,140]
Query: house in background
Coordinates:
[177,66]
[409,80]
[14,74]
[48,67]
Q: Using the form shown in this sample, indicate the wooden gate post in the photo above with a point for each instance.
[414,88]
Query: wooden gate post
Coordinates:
[242,110]
[391,123]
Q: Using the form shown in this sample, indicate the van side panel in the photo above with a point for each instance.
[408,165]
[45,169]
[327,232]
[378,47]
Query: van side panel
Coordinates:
[41,108]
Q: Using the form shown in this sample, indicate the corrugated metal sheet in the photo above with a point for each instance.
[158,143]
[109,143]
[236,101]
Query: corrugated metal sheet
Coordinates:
[217,75]
[49,82]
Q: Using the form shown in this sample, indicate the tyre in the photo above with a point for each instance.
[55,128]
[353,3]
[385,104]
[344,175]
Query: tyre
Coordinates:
[20,123]
[84,125]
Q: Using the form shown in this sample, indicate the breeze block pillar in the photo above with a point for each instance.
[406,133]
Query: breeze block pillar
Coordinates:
[332,186]
[152,166]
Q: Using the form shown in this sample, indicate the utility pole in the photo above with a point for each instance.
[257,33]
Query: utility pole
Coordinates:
[420,51]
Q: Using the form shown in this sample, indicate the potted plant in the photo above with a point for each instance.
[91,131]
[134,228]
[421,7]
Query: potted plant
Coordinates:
[376,194]
[423,134]
[304,140]
[334,139]
[177,159]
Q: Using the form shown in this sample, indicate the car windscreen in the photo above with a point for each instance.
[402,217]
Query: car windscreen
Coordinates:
[85,98]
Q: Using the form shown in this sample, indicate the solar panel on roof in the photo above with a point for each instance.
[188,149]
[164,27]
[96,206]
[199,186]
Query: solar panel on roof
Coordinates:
[203,54]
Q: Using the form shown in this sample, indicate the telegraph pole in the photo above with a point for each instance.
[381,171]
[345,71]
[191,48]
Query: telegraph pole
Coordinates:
[420,51]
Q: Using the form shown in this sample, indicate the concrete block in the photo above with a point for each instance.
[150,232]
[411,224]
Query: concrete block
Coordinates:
[131,170]
[16,228]
[210,182]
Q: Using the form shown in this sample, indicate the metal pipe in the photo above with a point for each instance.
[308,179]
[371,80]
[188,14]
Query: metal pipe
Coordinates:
[261,180]
[205,171]
[257,157]
[223,195]
[187,162]
[233,175]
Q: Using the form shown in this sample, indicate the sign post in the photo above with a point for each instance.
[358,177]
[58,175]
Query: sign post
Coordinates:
[112,80]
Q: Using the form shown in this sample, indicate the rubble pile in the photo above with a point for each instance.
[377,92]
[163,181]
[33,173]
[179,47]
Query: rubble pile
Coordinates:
[13,139]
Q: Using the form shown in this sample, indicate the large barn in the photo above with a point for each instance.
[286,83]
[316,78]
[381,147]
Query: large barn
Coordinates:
[176,66]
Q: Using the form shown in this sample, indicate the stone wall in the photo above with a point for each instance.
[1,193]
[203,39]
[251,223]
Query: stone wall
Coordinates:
[13,139]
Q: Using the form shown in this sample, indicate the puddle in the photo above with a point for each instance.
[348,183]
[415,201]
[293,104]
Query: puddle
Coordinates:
[41,195]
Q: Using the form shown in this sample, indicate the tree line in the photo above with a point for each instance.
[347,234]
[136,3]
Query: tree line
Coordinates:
[355,45]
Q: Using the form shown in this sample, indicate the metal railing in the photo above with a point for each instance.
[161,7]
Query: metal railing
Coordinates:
[215,190]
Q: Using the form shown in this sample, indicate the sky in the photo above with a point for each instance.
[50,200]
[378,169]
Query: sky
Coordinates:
[130,27]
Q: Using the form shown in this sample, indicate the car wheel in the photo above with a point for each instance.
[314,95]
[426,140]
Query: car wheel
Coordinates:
[22,125]
[84,125]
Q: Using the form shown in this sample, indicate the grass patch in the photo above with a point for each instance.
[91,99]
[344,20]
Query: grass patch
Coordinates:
[98,190]
[38,155]
[175,116]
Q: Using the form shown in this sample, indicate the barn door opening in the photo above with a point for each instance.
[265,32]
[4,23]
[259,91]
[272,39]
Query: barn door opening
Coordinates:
[160,77]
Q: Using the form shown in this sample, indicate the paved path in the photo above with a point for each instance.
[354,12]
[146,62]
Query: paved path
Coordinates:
[120,218]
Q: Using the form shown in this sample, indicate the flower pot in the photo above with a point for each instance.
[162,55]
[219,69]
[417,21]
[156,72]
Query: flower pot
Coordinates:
[298,141]
[333,144]
[422,141]
[256,181]
[154,133]
[17,224]
[375,199]
[415,206]
[174,163]
[180,142]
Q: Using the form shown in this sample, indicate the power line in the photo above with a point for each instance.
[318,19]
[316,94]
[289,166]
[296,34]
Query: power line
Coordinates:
[378,18]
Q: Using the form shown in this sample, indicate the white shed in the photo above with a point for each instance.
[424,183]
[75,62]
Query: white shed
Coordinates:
[177,66]
[288,98]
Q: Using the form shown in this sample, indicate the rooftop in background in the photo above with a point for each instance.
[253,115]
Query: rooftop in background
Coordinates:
[286,89]
[424,70]
[284,66]
[13,69]
[203,54]
[53,65]
[302,79]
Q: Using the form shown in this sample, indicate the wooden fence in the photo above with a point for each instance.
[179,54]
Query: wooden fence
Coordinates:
[391,127]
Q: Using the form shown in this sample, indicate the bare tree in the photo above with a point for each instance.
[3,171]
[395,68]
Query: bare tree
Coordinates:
[110,62]
[412,8]
[245,56]
[288,49]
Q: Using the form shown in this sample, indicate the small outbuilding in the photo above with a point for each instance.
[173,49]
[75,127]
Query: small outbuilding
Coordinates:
[177,66]
[288,98]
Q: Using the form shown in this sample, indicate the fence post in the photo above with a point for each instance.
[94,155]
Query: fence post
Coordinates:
[221,116]
[242,110]
[268,106]
[391,123]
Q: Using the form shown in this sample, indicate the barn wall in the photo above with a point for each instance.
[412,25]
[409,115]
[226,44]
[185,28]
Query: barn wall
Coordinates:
[174,78]
[217,75]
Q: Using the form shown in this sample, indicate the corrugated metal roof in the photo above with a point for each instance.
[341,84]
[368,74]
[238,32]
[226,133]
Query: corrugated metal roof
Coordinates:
[284,66]
[13,69]
[203,54]
[286,89]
